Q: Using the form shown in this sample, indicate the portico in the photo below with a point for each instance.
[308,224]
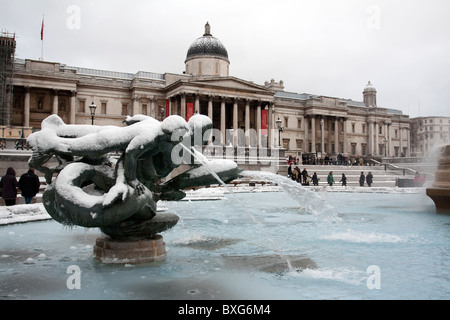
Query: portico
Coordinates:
[234,106]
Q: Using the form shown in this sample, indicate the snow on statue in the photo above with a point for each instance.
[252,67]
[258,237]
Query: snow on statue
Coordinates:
[94,189]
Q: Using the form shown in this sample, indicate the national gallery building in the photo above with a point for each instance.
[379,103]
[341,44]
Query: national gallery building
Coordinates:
[245,114]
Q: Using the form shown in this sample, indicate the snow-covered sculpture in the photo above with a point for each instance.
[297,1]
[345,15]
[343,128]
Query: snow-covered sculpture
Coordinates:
[94,189]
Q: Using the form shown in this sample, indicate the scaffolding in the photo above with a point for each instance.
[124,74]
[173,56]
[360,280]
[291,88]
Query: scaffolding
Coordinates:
[7,52]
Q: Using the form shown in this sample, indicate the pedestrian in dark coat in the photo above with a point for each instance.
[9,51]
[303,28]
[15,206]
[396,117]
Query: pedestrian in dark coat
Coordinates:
[9,185]
[369,178]
[315,179]
[362,179]
[344,180]
[29,185]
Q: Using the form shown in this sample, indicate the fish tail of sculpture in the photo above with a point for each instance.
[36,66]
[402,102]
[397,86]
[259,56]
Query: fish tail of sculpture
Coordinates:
[70,203]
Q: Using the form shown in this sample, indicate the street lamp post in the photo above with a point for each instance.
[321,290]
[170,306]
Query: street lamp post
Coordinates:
[92,107]
[280,129]
[385,147]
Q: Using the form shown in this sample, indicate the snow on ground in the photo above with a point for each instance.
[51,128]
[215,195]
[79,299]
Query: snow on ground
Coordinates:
[23,213]
[36,212]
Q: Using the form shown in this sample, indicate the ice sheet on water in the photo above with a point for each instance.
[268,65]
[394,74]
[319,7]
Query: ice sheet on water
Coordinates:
[364,237]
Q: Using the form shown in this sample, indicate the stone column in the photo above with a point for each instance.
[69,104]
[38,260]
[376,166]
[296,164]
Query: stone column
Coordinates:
[197,104]
[322,135]
[26,111]
[370,137]
[235,122]
[135,105]
[401,143]
[344,150]
[183,106]
[210,115]
[306,139]
[247,123]
[336,135]
[313,134]
[270,125]
[377,130]
[152,107]
[388,137]
[210,107]
[408,146]
[55,102]
[258,125]
[222,121]
[73,95]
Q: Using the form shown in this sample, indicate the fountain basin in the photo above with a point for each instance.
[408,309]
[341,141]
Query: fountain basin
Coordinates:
[218,252]
[439,192]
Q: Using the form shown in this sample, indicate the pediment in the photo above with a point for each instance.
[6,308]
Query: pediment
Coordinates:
[222,84]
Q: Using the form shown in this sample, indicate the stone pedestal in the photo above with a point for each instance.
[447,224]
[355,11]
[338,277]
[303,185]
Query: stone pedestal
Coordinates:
[440,190]
[111,251]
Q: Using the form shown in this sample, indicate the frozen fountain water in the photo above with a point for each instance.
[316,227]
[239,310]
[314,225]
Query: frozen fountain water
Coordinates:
[216,251]
[295,244]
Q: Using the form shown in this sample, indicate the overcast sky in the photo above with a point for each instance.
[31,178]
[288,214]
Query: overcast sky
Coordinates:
[323,47]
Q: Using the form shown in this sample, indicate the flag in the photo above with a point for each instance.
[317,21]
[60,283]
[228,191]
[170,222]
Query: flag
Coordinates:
[42,29]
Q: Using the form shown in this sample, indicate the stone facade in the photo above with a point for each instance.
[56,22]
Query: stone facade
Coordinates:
[245,114]
[328,126]
[428,134]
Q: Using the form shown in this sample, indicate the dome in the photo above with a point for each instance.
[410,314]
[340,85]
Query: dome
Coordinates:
[370,88]
[207,46]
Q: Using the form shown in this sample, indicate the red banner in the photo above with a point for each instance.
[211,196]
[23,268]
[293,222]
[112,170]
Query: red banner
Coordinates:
[264,122]
[167,108]
[189,110]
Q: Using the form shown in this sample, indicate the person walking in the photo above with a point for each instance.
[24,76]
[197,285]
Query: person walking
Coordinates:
[8,186]
[315,179]
[29,184]
[344,180]
[304,175]
[369,179]
[290,171]
[362,179]
[330,179]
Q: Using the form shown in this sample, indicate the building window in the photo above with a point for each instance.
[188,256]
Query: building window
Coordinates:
[144,109]
[299,123]
[381,149]
[286,144]
[82,106]
[124,109]
[103,108]
[286,122]
[363,128]
[353,148]
[299,144]
[363,149]
[353,128]
[380,129]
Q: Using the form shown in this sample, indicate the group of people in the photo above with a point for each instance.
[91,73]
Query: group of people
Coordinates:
[362,179]
[305,179]
[28,185]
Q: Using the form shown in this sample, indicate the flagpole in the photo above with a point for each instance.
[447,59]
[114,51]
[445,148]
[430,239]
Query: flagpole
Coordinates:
[42,39]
